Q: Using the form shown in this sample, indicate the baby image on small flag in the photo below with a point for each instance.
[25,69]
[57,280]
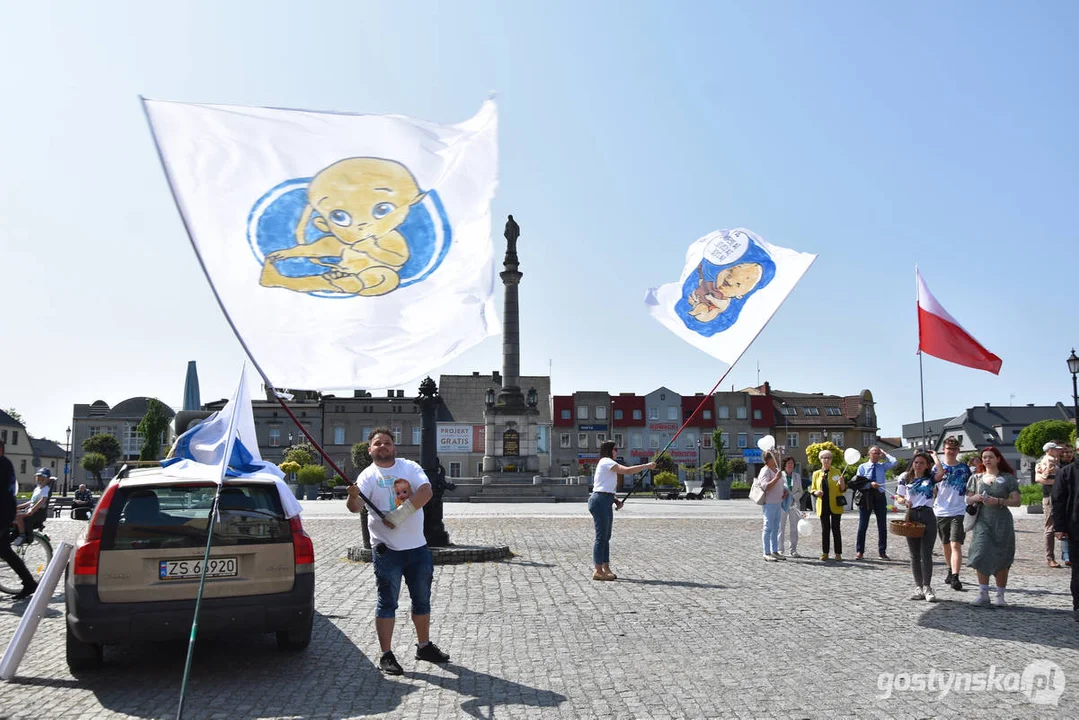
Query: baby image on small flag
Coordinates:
[732,283]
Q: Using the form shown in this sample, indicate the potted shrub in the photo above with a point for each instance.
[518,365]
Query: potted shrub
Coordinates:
[290,467]
[721,468]
[739,490]
[666,484]
[310,477]
[1031,497]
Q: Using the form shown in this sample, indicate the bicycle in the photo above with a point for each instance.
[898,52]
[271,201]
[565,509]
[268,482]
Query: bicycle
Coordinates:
[35,554]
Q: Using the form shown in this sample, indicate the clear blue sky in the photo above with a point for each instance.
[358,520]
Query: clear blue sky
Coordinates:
[876,135]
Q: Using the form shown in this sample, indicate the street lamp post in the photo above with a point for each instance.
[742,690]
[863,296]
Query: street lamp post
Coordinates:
[1073,368]
[67,461]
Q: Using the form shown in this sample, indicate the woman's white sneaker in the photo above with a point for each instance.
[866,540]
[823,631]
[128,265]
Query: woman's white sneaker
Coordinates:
[930,596]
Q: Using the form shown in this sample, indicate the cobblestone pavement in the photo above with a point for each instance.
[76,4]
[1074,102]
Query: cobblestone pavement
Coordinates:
[697,625]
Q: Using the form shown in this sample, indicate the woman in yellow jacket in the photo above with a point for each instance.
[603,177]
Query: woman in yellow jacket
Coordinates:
[828,487]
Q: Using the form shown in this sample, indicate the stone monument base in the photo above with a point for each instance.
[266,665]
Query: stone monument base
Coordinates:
[446,555]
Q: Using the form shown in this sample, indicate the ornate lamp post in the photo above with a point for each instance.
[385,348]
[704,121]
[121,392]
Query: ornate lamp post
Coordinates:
[67,461]
[428,401]
[1073,368]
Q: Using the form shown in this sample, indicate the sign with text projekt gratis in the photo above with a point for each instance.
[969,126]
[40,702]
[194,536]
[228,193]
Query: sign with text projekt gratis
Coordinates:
[455,439]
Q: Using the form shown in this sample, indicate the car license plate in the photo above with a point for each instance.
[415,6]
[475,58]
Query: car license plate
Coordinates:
[188,569]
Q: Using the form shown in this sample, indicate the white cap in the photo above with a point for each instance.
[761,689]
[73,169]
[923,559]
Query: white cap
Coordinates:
[1051,446]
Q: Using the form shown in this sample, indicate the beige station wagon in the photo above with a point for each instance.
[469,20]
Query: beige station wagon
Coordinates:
[135,572]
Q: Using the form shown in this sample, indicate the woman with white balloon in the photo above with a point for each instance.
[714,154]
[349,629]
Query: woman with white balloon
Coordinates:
[770,481]
[828,487]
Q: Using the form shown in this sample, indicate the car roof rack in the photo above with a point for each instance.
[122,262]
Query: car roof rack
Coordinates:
[123,472]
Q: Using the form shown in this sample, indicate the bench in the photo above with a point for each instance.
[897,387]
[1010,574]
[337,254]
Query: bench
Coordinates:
[58,505]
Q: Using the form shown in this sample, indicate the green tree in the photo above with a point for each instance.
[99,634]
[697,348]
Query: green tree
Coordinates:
[105,444]
[94,462]
[16,416]
[665,463]
[690,471]
[813,455]
[665,479]
[969,457]
[722,466]
[1031,439]
[361,458]
[301,453]
[311,475]
[739,466]
[152,428]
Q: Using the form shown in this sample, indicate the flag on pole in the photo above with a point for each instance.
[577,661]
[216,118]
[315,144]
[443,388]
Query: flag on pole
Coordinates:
[732,284]
[941,335]
[345,250]
[199,454]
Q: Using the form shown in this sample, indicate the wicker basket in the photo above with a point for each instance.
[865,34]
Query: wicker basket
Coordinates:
[906,528]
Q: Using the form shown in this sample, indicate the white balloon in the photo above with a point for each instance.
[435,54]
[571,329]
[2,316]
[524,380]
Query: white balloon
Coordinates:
[766,443]
[851,456]
[805,528]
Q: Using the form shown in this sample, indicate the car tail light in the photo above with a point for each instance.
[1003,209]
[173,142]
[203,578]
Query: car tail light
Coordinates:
[89,550]
[302,548]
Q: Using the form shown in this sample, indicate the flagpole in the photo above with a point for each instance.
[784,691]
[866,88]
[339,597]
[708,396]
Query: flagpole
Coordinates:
[229,442]
[921,389]
[318,447]
[705,399]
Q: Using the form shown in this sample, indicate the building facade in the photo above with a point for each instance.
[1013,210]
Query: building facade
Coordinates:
[121,421]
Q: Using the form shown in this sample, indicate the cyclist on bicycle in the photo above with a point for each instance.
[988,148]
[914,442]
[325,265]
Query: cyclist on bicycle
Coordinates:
[8,486]
[31,515]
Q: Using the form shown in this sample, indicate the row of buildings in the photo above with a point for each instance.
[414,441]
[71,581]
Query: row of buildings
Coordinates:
[569,429]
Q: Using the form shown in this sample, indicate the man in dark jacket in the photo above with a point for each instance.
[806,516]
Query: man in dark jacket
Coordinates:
[8,485]
[1066,517]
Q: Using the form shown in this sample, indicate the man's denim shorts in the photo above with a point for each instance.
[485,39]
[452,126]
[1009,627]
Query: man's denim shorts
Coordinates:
[418,570]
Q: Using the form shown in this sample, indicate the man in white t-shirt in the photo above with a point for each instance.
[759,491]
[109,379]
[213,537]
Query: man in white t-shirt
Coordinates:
[31,515]
[399,489]
[950,507]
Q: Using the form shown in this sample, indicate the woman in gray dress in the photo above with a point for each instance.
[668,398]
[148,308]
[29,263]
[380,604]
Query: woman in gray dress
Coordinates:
[992,547]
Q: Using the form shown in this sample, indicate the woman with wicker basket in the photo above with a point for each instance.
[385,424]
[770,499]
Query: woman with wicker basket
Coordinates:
[993,489]
[828,487]
[915,492]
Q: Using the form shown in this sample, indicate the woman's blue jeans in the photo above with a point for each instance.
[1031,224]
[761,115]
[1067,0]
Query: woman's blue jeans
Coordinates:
[601,505]
[770,536]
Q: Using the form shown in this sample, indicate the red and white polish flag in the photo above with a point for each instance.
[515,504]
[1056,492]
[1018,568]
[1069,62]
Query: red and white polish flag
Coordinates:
[941,335]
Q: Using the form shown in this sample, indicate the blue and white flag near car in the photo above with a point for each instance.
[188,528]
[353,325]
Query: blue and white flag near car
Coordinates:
[346,250]
[732,284]
[199,453]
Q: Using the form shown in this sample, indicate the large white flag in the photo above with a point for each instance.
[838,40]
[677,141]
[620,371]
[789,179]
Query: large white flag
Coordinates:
[346,250]
[732,283]
[199,454]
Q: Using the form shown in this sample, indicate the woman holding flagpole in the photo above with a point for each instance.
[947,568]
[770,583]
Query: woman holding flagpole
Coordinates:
[601,504]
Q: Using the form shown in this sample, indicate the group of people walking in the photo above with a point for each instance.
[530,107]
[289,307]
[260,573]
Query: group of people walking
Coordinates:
[947,498]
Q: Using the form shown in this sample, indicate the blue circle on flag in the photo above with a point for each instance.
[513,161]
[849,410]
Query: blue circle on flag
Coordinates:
[271,226]
[697,307]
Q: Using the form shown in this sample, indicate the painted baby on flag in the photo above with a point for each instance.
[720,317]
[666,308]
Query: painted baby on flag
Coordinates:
[731,285]
[346,250]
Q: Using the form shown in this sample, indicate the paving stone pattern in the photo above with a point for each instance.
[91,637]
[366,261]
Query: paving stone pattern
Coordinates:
[697,625]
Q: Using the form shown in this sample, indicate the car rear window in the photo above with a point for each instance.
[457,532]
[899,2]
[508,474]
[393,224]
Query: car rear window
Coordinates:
[176,516]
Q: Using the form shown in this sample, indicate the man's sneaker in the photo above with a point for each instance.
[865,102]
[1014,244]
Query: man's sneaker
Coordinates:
[884,557]
[27,591]
[981,599]
[431,653]
[794,554]
[998,600]
[949,578]
[18,541]
[389,665]
[770,558]
[956,584]
[778,556]
[918,594]
[930,596]
[824,556]
[857,556]
[838,557]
